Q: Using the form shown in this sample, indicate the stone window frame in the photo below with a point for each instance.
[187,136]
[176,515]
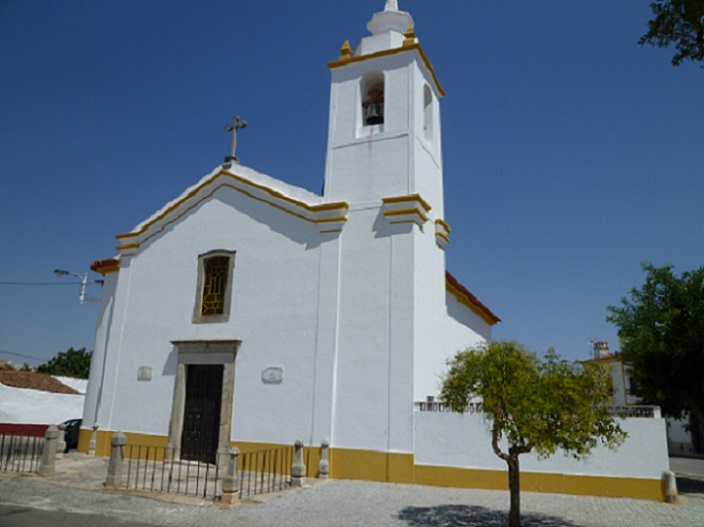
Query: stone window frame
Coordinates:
[198,317]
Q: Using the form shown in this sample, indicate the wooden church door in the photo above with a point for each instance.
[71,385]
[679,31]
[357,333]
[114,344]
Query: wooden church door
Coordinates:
[201,418]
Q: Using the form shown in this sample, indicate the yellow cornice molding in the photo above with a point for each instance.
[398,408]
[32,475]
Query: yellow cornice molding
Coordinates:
[406,209]
[443,224]
[403,212]
[394,51]
[311,213]
[409,198]
[442,233]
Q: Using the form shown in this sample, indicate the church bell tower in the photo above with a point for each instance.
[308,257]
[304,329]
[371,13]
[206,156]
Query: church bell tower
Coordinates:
[384,271]
[384,129]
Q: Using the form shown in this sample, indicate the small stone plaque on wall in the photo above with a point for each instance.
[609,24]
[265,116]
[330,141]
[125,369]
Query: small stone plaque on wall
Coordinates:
[144,373]
[273,375]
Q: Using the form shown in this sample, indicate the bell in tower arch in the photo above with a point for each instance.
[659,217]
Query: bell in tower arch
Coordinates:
[373,105]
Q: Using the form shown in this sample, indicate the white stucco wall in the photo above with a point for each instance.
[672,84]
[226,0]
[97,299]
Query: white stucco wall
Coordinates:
[273,312]
[450,439]
[25,406]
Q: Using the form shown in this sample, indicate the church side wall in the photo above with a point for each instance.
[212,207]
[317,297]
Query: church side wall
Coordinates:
[432,342]
[449,328]
[100,346]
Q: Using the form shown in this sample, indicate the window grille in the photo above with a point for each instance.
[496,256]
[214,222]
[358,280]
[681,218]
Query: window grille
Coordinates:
[214,285]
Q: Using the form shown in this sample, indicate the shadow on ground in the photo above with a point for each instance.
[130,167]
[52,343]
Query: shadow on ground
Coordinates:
[690,485]
[473,516]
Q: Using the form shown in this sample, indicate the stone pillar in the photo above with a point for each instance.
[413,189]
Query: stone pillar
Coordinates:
[670,483]
[231,481]
[117,456]
[324,465]
[298,469]
[91,445]
[61,442]
[48,463]
[170,454]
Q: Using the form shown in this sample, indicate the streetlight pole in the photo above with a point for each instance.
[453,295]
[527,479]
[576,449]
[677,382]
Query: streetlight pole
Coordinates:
[82,278]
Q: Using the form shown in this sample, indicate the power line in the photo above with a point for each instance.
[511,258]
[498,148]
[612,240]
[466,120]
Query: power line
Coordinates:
[40,283]
[3,352]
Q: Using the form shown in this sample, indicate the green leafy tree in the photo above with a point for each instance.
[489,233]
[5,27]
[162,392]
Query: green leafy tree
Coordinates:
[679,22]
[536,406]
[70,363]
[661,329]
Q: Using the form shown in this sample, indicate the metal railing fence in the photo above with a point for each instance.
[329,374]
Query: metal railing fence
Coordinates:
[160,469]
[265,470]
[648,411]
[22,454]
[433,406]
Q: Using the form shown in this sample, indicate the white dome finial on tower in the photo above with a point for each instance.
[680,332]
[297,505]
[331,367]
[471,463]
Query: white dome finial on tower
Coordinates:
[390,20]
[391,5]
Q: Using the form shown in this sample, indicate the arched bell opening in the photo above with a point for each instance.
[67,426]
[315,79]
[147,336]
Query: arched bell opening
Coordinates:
[372,91]
[428,113]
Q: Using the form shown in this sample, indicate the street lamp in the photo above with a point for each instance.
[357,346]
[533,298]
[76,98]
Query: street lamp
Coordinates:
[84,283]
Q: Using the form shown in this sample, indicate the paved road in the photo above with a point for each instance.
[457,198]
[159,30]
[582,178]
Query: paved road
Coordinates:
[12,516]
[74,498]
[690,466]
[340,504]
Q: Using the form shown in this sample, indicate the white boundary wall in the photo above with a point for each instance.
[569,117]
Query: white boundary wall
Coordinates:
[464,441]
[27,406]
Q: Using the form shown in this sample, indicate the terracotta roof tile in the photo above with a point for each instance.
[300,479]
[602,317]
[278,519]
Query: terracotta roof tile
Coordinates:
[471,299]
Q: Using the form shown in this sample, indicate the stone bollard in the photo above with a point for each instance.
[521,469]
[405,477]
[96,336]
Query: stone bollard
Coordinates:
[670,486]
[117,456]
[91,445]
[48,464]
[298,469]
[231,481]
[324,465]
[170,454]
[61,442]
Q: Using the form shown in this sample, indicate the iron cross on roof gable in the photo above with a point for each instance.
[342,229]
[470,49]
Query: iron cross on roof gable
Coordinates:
[236,124]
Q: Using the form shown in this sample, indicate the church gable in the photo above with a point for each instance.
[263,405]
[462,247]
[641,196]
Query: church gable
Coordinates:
[294,201]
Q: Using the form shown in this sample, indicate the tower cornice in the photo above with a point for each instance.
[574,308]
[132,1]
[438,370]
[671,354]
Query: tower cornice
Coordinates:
[346,60]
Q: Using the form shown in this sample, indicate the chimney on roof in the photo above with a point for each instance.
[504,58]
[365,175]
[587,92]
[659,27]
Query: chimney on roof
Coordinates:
[601,349]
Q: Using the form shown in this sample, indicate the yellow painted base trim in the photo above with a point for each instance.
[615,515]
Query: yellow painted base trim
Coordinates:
[367,465]
[580,485]
[102,440]
[394,467]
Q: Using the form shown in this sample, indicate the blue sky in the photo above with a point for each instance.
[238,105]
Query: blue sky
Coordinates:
[571,154]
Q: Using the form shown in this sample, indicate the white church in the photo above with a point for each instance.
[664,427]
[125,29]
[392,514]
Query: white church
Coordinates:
[252,312]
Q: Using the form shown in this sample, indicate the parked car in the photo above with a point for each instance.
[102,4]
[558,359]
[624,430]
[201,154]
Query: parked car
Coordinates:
[73,426]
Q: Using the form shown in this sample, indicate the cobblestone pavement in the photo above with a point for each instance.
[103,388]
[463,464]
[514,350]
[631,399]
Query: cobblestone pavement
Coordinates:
[338,503]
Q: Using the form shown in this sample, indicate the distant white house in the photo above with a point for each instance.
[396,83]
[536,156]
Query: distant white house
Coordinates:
[680,440]
[254,312]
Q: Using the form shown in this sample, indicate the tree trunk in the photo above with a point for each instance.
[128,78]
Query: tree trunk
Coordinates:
[514,487]
[697,413]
